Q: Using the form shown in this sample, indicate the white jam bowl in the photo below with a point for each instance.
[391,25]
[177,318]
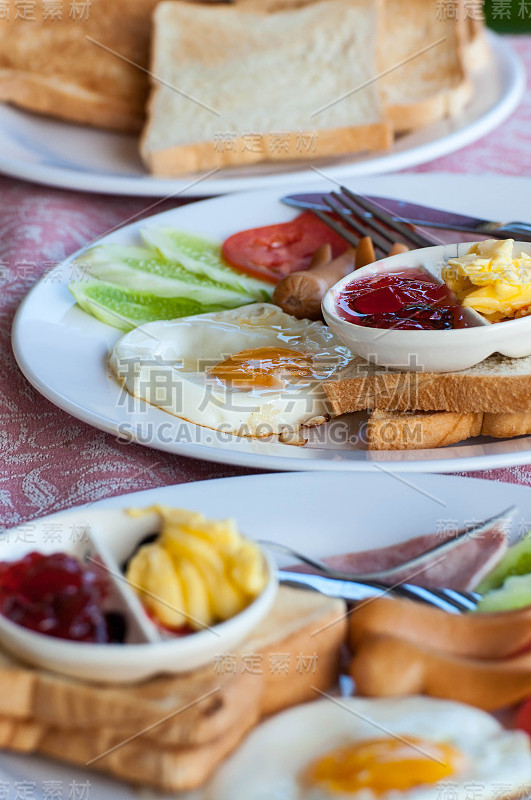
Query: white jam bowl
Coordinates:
[115,535]
[427,350]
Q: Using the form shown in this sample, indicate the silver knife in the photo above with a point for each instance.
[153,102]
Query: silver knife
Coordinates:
[356,590]
[426,216]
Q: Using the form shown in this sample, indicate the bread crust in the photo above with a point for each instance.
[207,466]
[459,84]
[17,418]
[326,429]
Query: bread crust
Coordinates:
[504,426]
[45,95]
[447,103]
[207,155]
[477,49]
[420,431]
[452,34]
[167,769]
[385,666]
[415,391]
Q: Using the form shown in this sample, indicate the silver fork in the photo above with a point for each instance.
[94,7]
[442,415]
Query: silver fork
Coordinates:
[360,217]
[385,581]
[356,590]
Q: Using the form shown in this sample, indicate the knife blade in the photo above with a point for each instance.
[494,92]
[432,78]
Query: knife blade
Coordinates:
[356,591]
[426,216]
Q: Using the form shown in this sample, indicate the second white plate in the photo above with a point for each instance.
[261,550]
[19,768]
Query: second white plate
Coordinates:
[61,154]
[320,514]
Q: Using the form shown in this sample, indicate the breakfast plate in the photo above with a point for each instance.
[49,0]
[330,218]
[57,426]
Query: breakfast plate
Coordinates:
[62,154]
[304,506]
[63,352]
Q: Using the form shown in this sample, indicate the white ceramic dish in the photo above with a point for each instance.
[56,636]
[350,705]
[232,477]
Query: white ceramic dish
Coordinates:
[382,509]
[115,535]
[427,351]
[61,154]
[63,351]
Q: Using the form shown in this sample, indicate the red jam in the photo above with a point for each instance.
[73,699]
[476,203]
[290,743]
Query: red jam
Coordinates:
[411,300]
[56,595]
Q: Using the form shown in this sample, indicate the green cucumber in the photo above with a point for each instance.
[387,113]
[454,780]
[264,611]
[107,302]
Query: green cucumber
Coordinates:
[515,593]
[144,270]
[516,561]
[205,257]
[126,309]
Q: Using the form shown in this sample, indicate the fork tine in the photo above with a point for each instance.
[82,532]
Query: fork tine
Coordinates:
[383,216]
[340,229]
[454,598]
[467,600]
[430,596]
[360,229]
[370,222]
[351,223]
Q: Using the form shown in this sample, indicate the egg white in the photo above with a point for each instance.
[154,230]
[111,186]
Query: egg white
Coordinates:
[268,764]
[166,363]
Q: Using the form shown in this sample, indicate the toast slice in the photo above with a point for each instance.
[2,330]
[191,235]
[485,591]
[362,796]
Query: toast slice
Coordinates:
[137,760]
[54,699]
[477,49]
[420,430]
[504,426]
[498,385]
[424,63]
[48,65]
[177,729]
[419,89]
[168,769]
[240,86]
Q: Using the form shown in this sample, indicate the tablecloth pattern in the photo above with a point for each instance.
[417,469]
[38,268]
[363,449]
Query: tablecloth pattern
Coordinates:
[51,461]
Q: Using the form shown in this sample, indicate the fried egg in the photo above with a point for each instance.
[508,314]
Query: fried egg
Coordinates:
[411,748]
[251,371]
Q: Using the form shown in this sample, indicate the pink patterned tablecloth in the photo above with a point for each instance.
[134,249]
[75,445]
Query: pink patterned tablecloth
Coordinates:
[52,461]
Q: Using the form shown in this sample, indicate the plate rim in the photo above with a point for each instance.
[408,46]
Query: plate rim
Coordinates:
[121,501]
[506,61]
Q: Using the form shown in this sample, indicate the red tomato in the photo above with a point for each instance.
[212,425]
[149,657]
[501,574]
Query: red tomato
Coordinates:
[523,717]
[274,251]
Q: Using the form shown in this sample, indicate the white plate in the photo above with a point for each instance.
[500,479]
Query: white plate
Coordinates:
[63,351]
[305,505]
[61,154]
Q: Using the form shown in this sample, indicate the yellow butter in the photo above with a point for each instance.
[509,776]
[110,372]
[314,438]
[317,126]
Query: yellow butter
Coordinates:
[491,279]
[198,572]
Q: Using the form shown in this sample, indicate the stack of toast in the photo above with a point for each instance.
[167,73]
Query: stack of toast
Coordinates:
[171,732]
[418,410]
[247,81]
[79,67]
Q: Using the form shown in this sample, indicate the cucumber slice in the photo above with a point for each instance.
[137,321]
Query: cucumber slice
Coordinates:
[205,257]
[126,309]
[516,561]
[144,270]
[515,593]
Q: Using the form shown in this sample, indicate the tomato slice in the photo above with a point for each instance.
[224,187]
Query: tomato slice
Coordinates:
[274,251]
[523,717]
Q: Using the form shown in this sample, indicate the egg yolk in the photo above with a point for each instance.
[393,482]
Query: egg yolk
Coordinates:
[382,765]
[262,368]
